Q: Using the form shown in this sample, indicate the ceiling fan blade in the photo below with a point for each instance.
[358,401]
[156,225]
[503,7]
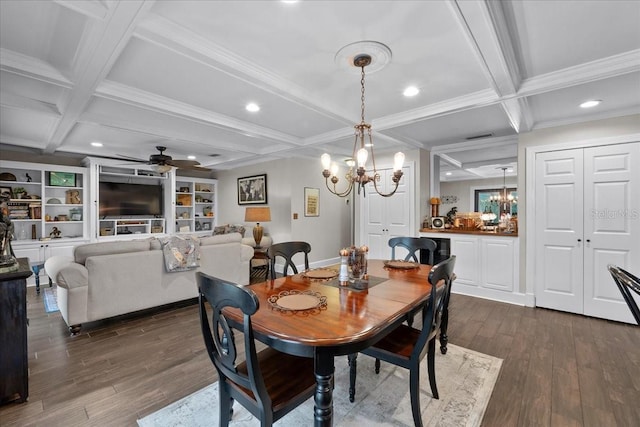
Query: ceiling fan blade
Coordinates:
[182,163]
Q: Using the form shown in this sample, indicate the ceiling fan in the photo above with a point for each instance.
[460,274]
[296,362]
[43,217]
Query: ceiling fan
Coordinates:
[163,163]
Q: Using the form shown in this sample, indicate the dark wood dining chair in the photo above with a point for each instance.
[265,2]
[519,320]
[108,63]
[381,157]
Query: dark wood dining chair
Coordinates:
[287,250]
[627,283]
[413,245]
[269,384]
[406,346]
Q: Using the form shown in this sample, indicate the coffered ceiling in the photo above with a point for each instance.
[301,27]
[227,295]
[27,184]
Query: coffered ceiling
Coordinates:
[136,74]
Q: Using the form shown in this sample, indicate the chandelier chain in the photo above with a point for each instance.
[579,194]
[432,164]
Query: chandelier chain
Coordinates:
[362,94]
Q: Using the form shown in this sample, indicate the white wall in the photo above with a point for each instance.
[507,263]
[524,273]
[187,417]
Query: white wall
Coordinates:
[286,180]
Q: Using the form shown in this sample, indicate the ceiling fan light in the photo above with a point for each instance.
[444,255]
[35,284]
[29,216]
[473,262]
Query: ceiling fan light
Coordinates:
[161,168]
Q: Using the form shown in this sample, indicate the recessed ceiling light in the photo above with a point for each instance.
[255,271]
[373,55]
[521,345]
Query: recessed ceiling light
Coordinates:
[191,157]
[509,170]
[289,1]
[411,91]
[448,173]
[591,103]
[252,107]
[96,144]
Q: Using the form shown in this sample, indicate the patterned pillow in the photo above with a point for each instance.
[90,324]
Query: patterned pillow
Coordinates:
[181,253]
[229,228]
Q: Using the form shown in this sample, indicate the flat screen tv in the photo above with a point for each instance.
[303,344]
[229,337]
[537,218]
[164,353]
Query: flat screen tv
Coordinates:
[119,199]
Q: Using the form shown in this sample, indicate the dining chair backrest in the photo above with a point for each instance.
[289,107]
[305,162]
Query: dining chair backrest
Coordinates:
[219,336]
[440,277]
[413,245]
[290,380]
[406,346]
[627,283]
[287,250]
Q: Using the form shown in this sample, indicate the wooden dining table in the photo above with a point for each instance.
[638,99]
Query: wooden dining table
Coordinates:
[348,321]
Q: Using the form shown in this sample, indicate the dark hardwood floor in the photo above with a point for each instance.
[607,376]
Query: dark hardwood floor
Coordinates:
[559,369]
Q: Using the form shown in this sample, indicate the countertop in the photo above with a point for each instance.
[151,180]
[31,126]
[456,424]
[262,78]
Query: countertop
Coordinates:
[461,231]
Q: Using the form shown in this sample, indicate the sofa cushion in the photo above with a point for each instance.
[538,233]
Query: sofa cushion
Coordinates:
[222,238]
[82,252]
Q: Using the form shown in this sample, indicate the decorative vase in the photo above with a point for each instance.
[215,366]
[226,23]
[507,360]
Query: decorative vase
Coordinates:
[357,263]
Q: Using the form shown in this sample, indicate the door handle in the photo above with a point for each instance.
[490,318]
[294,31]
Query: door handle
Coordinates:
[579,240]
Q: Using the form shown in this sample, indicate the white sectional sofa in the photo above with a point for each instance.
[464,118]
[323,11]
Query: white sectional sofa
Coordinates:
[112,278]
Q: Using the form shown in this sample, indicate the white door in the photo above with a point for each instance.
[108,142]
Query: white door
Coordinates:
[387,217]
[558,222]
[611,225]
[587,216]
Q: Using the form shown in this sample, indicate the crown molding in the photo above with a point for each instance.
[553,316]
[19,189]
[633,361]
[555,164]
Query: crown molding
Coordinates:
[612,66]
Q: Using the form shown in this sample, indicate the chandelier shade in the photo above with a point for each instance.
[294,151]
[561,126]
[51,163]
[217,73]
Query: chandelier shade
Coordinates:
[357,175]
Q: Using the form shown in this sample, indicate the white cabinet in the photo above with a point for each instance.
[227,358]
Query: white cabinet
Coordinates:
[486,265]
[49,217]
[51,203]
[42,251]
[195,205]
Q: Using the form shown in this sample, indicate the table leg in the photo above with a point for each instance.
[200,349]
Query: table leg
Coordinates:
[36,273]
[323,409]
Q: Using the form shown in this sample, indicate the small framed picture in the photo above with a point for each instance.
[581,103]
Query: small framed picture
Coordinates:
[206,226]
[311,201]
[62,179]
[252,190]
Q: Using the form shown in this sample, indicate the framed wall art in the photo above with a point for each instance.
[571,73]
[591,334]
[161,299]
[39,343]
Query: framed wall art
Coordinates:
[62,179]
[252,190]
[311,201]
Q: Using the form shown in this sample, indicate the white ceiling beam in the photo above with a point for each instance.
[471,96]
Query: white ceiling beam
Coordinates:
[150,101]
[116,31]
[9,100]
[479,163]
[95,9]
[485,27]
[599,69]
[168,35]
[27,66]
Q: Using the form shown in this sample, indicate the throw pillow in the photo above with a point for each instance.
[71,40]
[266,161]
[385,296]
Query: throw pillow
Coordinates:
[181,253]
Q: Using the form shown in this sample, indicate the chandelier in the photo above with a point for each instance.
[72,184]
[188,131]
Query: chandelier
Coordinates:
[504,200]
[357,175]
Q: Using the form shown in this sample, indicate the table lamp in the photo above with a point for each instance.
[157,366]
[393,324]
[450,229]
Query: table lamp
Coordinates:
[257,215]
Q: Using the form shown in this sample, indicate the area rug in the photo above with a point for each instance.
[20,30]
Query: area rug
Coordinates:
[50,300]
[465,381]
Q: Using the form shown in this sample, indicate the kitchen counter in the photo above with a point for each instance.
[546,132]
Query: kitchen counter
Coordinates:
[461,231]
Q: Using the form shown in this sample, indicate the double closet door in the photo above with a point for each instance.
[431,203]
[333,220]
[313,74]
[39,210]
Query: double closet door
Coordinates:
[587,216]
[387,217]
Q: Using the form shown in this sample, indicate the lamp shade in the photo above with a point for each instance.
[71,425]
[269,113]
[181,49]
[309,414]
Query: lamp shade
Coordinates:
[254,214]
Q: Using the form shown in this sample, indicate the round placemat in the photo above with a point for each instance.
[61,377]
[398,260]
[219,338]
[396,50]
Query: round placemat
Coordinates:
[297,300]
[400,264]
[320,273]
